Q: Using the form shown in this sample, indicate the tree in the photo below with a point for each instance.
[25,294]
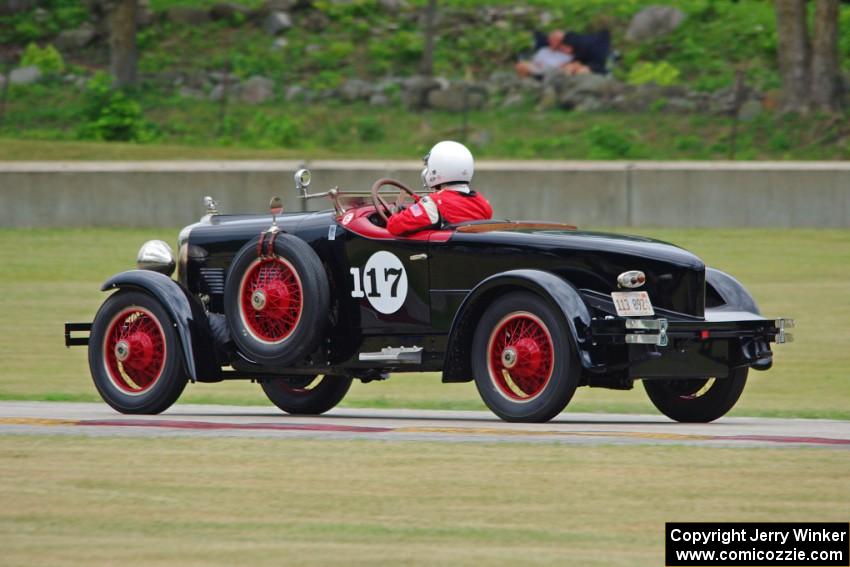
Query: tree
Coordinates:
[825,69]
[123,55]
[810,73]
[426,65]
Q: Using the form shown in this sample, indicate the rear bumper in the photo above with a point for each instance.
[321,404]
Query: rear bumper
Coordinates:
[71,339]
[661,331]
[667,348]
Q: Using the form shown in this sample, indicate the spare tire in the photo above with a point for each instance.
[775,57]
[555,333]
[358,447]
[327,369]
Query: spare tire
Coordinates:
[277,305]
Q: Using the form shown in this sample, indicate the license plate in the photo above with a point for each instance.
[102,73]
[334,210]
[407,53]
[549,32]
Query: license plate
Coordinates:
[632,303]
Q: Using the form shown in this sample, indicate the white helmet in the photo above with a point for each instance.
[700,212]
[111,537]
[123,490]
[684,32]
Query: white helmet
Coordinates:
[448,162]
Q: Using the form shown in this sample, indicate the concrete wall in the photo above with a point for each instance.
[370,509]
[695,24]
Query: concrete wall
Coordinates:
[697,194]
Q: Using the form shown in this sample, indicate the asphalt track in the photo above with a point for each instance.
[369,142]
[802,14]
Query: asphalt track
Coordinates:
[53,418]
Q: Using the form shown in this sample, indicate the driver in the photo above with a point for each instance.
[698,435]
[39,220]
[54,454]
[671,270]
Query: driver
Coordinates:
[448,170]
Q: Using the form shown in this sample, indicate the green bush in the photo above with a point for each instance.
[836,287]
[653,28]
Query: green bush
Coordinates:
[332,55]
[273,131]
[111,115]
[30,25]
[369,130]
[608,143]
[47,59]
[660,73]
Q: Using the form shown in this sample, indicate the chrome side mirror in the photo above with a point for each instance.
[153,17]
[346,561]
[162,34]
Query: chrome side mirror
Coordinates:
[156,255]
[302,180]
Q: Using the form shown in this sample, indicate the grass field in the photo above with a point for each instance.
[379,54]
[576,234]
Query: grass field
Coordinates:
[358,131]
[53,275]
[88,501]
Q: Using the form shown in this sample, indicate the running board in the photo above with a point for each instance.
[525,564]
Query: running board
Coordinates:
[404,355]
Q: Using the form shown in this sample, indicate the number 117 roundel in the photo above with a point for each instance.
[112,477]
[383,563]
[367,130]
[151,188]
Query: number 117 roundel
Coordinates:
[305,303]
[383,281]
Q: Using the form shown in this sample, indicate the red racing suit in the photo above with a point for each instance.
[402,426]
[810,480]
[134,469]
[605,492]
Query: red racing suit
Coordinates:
[457,203]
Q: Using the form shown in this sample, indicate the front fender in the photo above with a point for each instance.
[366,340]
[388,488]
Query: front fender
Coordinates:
[187,315]
[556,290]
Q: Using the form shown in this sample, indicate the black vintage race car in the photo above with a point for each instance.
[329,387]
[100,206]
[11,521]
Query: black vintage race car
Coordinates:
[303,303]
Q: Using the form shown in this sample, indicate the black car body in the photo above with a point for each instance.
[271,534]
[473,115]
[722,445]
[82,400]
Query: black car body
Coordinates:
[418,303]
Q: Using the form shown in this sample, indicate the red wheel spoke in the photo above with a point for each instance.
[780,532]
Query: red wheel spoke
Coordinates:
[278,290]
[530,363]
[143,345]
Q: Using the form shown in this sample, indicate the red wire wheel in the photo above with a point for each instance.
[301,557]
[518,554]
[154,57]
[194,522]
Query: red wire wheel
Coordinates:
[134,350]
[271,300]
[521,356]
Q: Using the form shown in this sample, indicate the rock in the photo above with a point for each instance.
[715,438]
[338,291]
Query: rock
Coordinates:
[529,85]
[277,22]
[256,90]
[314,21]
[750,110]
[220,77]
[502,82]
[76,38]
[723,101]
[187,15]
[325,94]
[281,5]
[503,77]
[591,105]
[9,7]
[388,83]
[189,92]
[415,90]
[228,10]
[197,81]
[513,100]
[548,98]
[637,98]
[24,75]
[481,138]
[144,15]
[218,91]
[457,98]
[653,22]
[379,99]
[355,89]
[41,16]
[280,43]
[680,105]
[392,5]
[293,93]
[582,91]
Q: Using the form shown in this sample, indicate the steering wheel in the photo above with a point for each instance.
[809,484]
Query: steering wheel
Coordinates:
[381,206]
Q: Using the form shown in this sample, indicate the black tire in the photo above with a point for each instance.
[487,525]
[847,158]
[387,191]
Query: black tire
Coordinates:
[304,395]
[530,397]
[689,401]
[287,341]
[150,376]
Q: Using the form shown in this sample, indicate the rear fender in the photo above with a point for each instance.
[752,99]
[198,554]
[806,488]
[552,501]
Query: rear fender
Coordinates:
[187,315]
[558,292]
[733,293]
[736,298]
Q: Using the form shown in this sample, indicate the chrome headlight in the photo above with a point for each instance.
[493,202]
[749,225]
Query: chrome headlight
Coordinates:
[156,255]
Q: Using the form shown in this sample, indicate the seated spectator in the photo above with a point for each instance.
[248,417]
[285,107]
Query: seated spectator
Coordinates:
[548,58]
[589,52]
